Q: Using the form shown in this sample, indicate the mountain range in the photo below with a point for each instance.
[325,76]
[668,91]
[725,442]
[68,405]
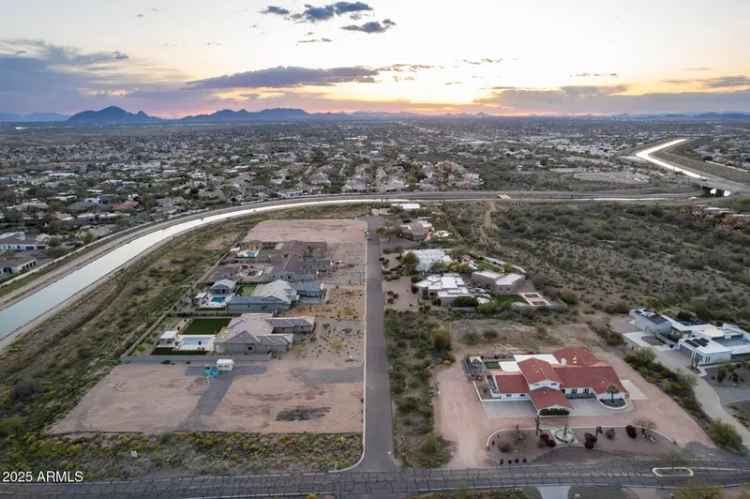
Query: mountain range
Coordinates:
[114,115]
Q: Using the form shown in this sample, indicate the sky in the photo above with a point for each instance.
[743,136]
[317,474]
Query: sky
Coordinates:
[503,57]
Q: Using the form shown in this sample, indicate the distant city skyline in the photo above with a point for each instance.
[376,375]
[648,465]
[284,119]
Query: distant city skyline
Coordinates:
[171,58]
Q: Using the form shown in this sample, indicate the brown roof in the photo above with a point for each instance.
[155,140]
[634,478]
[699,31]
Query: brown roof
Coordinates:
[544,398]
[536,371]
[511,383]
[576,356]
[598,378]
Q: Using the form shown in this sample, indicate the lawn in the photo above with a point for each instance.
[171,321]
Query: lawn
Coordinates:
[205,326]
[507,300]
[247,289]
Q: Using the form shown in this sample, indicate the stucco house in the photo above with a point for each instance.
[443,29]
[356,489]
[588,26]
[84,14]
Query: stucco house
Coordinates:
[550,382]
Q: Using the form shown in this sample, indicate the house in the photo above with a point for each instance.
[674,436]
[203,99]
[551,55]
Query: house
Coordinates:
[173,340]
[272,297]
[223,287]
[443,288]
[20,241]
[261,333]
[650,322]
[550,382]
[15,264]
[426,258]
[416,231]
[308,289]
[501,284]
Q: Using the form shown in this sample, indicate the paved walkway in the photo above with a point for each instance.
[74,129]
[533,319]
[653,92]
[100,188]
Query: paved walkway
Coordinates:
[705,393]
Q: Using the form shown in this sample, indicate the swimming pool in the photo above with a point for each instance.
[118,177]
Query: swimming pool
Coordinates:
[218,299]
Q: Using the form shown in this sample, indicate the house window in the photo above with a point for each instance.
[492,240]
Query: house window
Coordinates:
[523,395]
[574,391]
[508,395]
[585,390]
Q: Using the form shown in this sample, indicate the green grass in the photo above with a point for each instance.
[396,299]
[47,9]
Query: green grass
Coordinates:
[507,300]
[247,289]
[205,326]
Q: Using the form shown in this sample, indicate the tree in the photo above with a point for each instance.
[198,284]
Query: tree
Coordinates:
[465,301]
[441,340]
[612,390]
[410,261]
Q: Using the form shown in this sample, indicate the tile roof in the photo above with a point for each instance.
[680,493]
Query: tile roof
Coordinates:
[544,398]
[511,383]
[536,371]
[576,356]
[598,378]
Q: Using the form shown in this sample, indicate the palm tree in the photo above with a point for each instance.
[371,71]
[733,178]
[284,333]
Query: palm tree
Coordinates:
[612,389]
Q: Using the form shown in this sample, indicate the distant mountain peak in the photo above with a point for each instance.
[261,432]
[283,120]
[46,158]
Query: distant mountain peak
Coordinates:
[111,115]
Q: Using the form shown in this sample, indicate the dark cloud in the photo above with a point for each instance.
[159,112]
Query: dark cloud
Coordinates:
[371,27]
[314,14]
[291,76]
[275,10]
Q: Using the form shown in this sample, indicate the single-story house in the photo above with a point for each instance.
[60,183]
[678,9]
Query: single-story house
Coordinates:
[274,297]
[14,264]
[223,287]
[419,230]
[260,333]
[549,385]
[502,284]
[444,288]
[426,258]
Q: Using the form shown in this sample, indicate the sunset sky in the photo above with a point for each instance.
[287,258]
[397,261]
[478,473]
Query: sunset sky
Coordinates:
[172,58]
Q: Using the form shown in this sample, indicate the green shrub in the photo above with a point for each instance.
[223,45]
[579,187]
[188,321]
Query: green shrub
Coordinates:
[725,436]
[470,339]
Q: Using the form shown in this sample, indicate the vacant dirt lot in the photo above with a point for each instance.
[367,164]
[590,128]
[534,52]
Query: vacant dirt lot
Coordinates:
[342,231]
[158,398]
[461,419]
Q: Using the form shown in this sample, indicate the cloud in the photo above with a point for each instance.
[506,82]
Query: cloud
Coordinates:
[371,27]
[698,68]
[612,99]
[411,68]
[57,55]
[275,10]
[594,75]
[288,76]
[484,60]
[313,14]
[727,82]
[732,81]
[315,40]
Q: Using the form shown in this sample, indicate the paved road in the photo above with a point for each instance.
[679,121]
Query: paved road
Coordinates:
[378,420]
[395,483]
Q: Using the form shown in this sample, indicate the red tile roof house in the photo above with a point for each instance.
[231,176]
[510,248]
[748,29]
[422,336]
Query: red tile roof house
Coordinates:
[549,387]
